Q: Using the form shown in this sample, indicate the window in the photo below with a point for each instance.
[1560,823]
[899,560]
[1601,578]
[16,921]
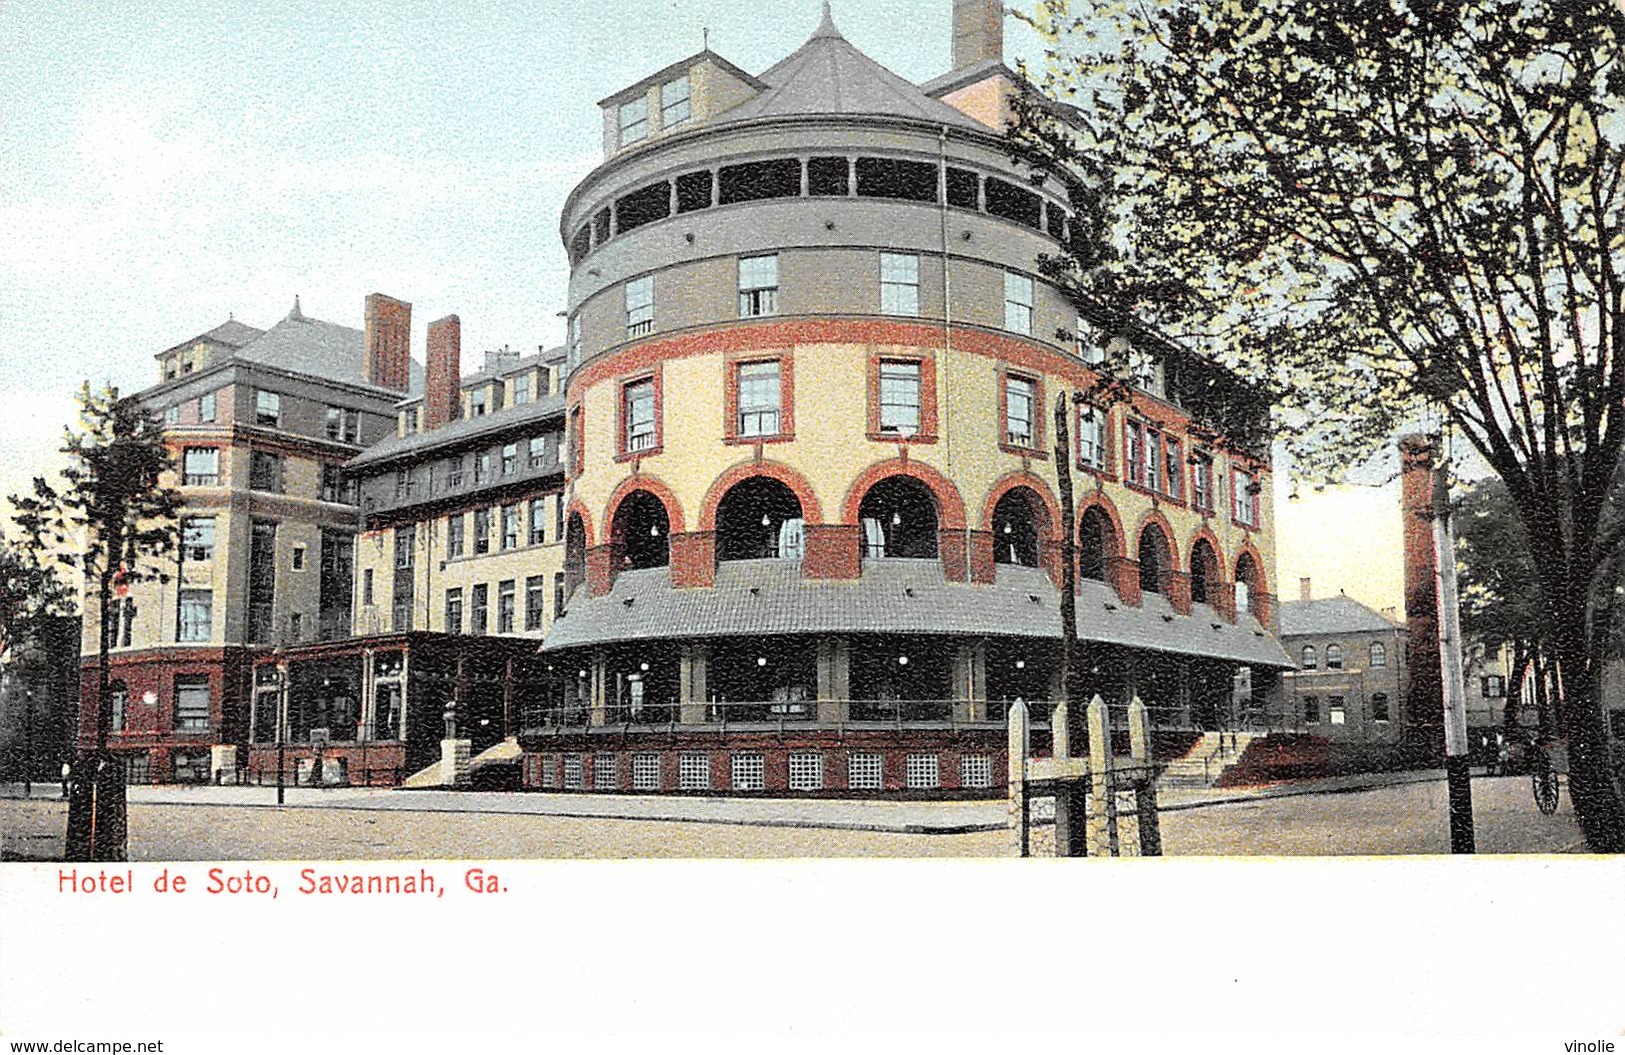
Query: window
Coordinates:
[1334,657]
[296,627]
[510,459]
[197,539]
[806,771]
[634,120]
[558,594]
[505,606]
[191,767]
[646,771]
[1202,482]
[900,398]
[1173,476]
[1092,437]
[482,531]
[265,471]
[267,409]
[454,610]
[638,410]
[1311,709]
[206,407]
[192,703]
[578,442]
[366,586]
[118,700]
[337,488]
[138,768]
[558,517]
[196,615]
[749,772]
[899,284]
[604,772]
[538,451]
[1307,658]
[964,188]
[640,306]
[535,598]
[863,771]
[828,177]
[893,178]
[975,771]
[923,771]
[759,180]
[1020,410]
[694,191]
[405,539]
[1010,202]
[573,769]
[1151,474]
[403,483]
[1335,712]
[521,390]
[343,425]
[674,102]
[478,402]
[1379,654]
[482,468]
[1494,687]
[1379,707]
[172,415]
[1145,372]
[299,558]
[758,286]
[454,536]
[409,421]
[1018,303]
[124,622]
[454,472]
[479,610]
[1134,451]
[694,772]
[759,395]
[574,342]
[1244,492]
[200,467]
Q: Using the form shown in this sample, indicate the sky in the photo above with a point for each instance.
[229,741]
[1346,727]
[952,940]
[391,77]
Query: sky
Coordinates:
[169,165]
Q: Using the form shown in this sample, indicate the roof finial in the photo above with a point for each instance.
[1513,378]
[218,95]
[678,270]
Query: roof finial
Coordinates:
[826,28]
[705,37]
[296,313]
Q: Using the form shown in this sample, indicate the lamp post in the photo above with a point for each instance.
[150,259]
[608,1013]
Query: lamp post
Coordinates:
[281,731]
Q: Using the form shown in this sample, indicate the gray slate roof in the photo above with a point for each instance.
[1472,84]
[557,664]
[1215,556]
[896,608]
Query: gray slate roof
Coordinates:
[895,596]
[827,75]
[303,345]
[231,333]
[1331,615]
[459,431]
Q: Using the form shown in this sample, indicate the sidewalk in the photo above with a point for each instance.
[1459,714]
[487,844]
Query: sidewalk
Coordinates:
[873,815]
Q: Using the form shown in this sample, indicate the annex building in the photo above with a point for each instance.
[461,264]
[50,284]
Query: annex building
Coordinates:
[781,516]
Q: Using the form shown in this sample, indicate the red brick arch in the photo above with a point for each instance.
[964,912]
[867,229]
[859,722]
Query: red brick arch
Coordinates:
[655,486]
[1098,500]
[811,510]
[1022,478]
[1205,534]
[1247,550]
[950,507]
[1154,516]
[579,508]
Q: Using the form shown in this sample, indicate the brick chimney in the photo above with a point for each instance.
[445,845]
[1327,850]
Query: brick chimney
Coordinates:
[387,343]
[1304,592]
[1424,691]
[978,32]
[445,371]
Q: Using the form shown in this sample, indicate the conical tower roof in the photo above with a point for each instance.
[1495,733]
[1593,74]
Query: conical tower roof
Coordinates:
[827,75]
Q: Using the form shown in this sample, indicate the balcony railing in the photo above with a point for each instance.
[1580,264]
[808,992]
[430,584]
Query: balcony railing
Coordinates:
[774,714]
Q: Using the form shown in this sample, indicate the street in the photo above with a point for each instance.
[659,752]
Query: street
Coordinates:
[244,824]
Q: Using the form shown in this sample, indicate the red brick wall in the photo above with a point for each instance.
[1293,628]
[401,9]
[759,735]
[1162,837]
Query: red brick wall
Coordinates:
[693,558]
[834,551]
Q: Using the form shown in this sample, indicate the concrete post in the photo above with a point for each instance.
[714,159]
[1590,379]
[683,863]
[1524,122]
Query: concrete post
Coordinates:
[1103,809]
[599,689]
[1145,787]
[1017,780]
[834,680]
[1071,796]
[692,676]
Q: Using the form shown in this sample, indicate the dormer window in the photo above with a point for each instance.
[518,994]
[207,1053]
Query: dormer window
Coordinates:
[674,108]
[521,390]
[634,121]
[477,402]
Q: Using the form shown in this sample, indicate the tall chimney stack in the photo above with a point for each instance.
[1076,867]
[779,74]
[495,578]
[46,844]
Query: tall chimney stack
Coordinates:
[387,343]
[445,371]
[1424,690]
[1304,592]
[978,32]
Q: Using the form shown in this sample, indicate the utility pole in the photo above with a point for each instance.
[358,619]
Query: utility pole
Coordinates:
[1456,747]
[1071,670]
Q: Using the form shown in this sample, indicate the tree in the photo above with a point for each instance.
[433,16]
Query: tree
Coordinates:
[111,520]
[1386,211]
[30,591]
[31,597]
[1500,597]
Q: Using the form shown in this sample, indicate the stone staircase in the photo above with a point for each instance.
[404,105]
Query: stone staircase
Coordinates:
[1206,761]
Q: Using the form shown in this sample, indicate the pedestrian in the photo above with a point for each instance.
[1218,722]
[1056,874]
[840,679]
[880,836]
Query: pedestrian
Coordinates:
[66,770]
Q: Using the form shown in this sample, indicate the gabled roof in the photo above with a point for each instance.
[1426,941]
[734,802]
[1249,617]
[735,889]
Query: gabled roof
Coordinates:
[1332,615]
[827,75]
[457,432]
[231,333]
[666,73]
[303,345]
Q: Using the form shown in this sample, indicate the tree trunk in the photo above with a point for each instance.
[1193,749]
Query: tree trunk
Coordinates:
[97,823]
[1511,717]
[1593,786]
